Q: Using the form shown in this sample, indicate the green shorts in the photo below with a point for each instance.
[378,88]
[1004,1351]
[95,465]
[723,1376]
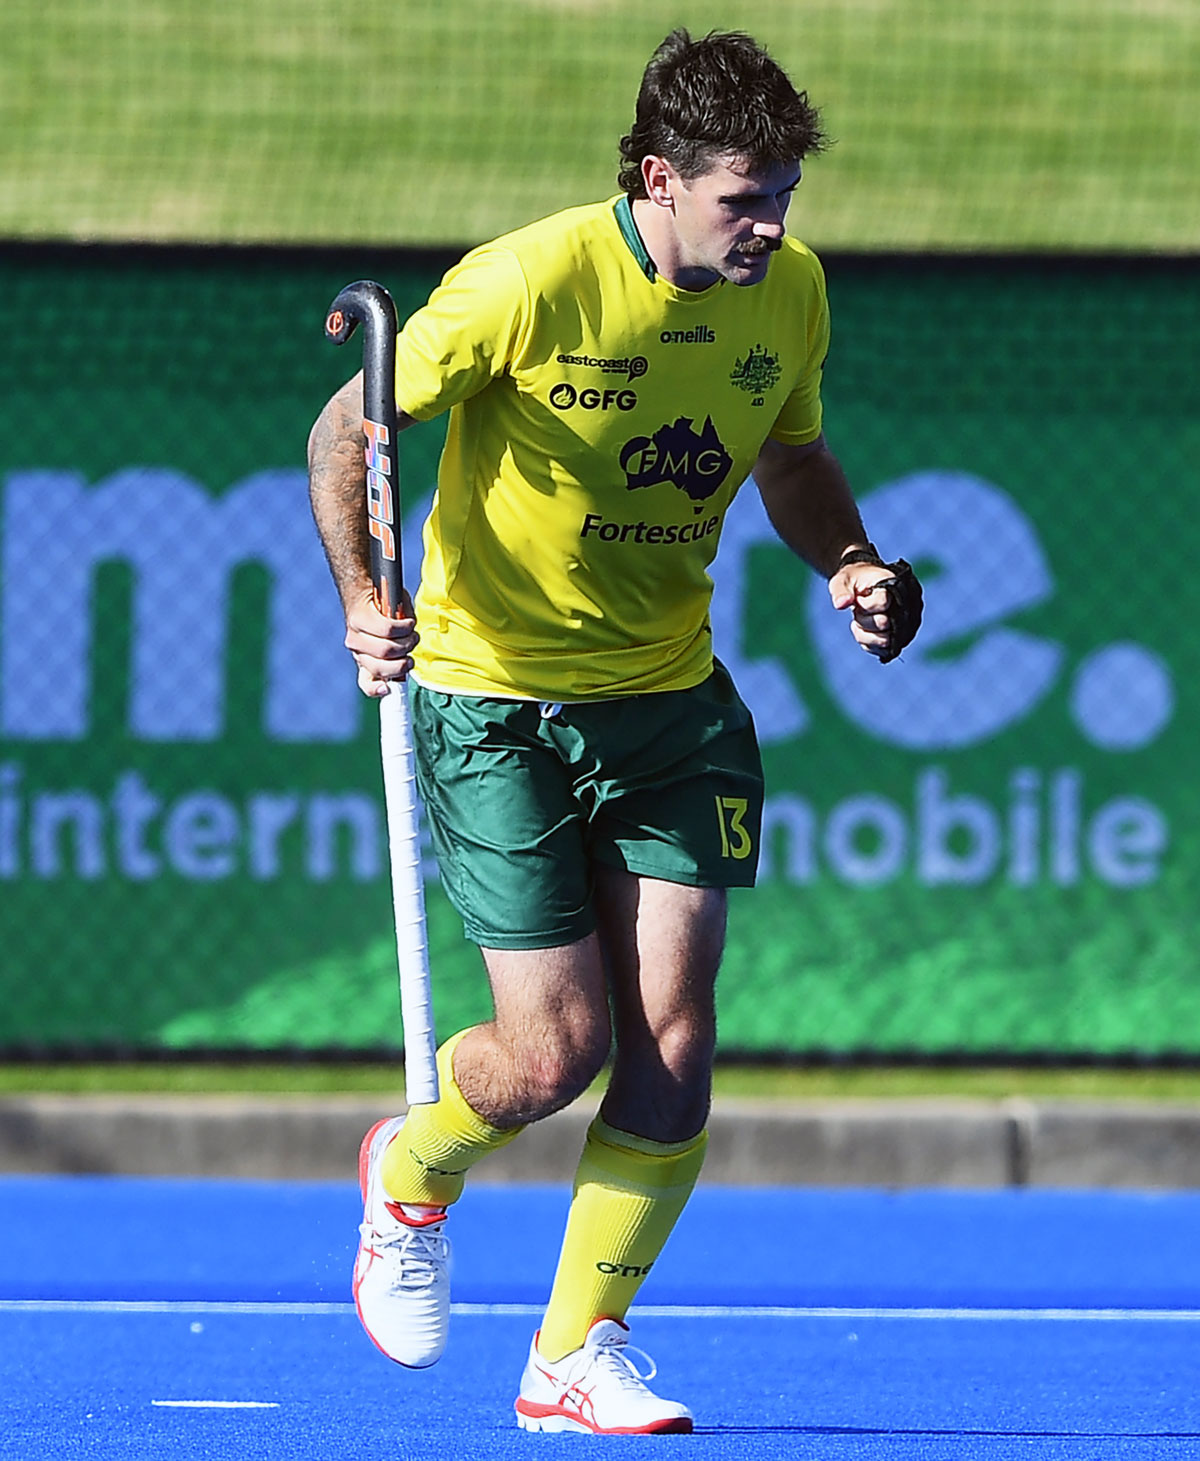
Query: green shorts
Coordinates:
[524,799]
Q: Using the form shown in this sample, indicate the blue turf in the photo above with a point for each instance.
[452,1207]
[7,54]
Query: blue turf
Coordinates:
[152,1238]
[760,1387]
[81,1383]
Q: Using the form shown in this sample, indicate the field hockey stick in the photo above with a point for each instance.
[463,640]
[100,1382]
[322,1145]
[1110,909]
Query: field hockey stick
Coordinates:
[370,305]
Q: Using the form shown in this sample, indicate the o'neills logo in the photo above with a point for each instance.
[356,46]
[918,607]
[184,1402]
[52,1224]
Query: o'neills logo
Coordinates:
[701,335]
[654,534]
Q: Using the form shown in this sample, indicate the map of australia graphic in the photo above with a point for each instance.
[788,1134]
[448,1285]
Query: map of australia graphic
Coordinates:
[695,462]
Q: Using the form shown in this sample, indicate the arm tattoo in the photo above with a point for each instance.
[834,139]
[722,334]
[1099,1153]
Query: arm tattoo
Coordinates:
[336,484]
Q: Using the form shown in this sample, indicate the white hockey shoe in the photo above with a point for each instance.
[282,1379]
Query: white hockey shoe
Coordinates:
[402,1272]
[597,1389]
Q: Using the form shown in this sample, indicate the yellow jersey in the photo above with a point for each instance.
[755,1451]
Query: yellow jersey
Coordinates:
[601,422]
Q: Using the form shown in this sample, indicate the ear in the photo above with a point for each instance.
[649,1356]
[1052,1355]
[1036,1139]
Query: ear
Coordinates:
[660,179]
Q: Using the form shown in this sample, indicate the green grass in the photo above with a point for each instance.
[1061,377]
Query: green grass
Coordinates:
[959,123]
[731,1082]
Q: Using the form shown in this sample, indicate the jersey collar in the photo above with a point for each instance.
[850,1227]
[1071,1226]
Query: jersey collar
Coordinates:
[629,232]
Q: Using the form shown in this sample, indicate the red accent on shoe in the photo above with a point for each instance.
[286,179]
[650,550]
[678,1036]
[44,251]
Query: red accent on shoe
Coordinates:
[575,1403]
[434,1215]
[364,1155]
[680,1425]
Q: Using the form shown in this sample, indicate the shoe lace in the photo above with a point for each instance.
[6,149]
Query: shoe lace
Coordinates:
[615,1355]
[417,1255]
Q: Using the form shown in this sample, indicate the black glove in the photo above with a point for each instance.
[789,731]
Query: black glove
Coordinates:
[905,599]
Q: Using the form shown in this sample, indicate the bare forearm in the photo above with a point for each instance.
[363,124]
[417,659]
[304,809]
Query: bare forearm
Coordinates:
[336,487]
[381,645]
[810,504]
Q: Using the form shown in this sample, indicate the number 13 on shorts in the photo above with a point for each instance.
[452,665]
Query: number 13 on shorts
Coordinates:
[731,819]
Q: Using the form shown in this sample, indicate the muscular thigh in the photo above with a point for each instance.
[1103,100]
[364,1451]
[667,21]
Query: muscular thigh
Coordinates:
[662,944]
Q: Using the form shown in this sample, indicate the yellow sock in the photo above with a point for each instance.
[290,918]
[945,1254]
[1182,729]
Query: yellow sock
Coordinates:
[628,1194]
[429,1159]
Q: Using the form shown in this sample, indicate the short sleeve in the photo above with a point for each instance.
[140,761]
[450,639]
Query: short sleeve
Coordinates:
[473,328]
[799,421]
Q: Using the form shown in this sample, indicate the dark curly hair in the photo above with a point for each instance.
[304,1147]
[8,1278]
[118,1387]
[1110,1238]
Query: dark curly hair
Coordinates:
[720,96]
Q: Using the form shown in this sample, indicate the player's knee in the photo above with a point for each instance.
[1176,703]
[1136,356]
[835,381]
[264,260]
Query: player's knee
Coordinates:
[562,1066]
[686,1043]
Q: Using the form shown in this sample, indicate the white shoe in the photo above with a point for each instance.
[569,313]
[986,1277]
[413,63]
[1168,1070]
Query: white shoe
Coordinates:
[402,1272]
[597,1389]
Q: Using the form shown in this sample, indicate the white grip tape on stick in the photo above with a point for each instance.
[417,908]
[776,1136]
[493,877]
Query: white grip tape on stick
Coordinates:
[408,897]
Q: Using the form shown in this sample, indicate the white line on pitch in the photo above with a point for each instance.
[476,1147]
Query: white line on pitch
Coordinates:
[219,1404]
[768,1311]
[164,1306]
[657,1311]
[772,1311]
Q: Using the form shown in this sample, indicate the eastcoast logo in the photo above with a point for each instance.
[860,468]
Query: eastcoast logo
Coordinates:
[631,366]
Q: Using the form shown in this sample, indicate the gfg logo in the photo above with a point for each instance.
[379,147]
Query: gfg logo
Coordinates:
[564,396]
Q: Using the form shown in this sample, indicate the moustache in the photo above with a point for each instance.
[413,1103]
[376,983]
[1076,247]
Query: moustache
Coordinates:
[757,247]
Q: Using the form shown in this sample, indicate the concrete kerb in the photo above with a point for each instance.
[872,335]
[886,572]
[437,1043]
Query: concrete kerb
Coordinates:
[891,1144]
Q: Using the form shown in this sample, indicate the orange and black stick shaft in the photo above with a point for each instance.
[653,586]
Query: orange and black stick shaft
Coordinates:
[370,305]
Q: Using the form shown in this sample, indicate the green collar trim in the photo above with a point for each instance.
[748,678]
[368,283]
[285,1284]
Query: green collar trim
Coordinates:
[629,232]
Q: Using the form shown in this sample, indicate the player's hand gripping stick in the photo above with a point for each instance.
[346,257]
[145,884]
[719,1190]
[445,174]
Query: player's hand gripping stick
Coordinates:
[370,305]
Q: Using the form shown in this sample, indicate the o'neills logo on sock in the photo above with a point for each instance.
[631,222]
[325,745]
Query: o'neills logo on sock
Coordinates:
[438,1171]
[626,1270]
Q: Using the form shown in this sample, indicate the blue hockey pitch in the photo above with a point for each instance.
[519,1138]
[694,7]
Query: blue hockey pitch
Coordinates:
[203,1319]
